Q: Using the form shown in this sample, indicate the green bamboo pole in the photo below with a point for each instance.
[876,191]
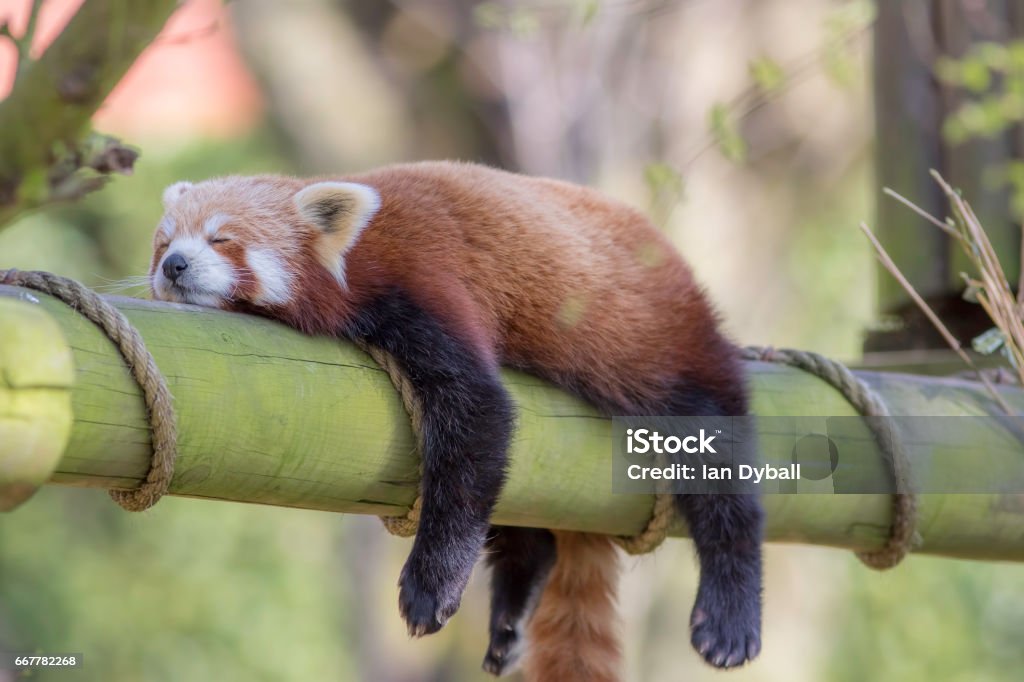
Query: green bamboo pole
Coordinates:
[36,376]
[267,415]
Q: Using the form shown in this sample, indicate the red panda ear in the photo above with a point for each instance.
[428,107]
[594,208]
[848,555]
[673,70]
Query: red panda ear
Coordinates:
[340,210]
[174,192]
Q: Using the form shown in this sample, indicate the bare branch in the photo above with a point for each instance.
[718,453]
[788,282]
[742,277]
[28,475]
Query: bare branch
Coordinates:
[45,120]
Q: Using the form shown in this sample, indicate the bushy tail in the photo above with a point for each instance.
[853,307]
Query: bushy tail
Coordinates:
[574,633]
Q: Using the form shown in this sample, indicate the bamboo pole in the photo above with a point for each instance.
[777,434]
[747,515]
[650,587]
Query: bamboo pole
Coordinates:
[36,376]
[269,416]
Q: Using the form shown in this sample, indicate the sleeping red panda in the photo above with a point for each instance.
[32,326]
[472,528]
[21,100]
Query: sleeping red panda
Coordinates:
[456,269]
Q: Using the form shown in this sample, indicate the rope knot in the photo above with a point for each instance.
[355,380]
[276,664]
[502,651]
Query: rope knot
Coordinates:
[155,393]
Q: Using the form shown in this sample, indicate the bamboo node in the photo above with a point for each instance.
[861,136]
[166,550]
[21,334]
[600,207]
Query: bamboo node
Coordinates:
[143,368]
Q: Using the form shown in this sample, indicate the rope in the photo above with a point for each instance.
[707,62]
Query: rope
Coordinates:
[654,533]
[402,526]
[164,430]
[154,389]
[868,403]
[405,526]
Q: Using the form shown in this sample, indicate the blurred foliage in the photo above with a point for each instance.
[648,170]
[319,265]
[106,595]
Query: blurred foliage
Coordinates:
[991,77]
[198,590]
[666,188]
[726,134]
[930,619]
[767,74]
[836,57]
[190,591]
[993,74]
[845,20]
[521,22]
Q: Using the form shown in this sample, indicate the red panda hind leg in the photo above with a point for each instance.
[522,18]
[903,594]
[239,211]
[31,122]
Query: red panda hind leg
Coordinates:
[573,635]
[520,560]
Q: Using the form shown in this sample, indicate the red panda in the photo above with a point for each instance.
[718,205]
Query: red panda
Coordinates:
[456,269]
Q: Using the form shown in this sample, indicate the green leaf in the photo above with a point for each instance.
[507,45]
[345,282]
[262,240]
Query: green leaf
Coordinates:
[839,65]
[587,10]
[954,131]
[726,134]
[975,75]
[661,177]
[767,73]
[850,16]
[489,15]
[988,342]
[995,56]
[971,292]
[523,23]
[1015,57]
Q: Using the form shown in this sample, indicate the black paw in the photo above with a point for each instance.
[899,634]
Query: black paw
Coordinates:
[726,633]
[504,650]
[427,601]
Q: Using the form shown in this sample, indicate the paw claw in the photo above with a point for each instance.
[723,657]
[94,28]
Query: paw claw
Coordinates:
[724,633]
[426,609]
[503,651]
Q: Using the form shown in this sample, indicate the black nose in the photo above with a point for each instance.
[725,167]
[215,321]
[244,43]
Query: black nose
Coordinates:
[174,265]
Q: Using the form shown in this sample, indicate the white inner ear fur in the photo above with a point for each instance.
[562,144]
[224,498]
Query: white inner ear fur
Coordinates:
[174,192]
[341,210]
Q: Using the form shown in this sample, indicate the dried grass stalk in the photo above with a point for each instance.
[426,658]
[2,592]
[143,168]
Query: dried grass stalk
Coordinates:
[990,286]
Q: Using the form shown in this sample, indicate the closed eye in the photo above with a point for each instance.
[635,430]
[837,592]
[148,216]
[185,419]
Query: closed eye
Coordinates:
[220,240]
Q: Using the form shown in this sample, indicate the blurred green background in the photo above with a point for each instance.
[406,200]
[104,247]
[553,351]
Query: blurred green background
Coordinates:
[744,127]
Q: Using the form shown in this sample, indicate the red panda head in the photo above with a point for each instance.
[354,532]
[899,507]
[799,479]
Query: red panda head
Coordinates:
[242,241]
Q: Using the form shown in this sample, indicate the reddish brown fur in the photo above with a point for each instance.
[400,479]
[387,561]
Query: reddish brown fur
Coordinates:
[574,633]
[547,275]
[534,273]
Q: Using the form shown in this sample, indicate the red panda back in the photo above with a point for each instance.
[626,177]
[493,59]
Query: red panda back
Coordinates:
[552,277]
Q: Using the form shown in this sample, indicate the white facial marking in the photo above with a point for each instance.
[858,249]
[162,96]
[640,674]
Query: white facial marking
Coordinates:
[208,281]
[274,279]
[215,222]
[167,227]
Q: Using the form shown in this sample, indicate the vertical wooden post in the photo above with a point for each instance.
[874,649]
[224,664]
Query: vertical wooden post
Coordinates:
[908,119]
[910,108]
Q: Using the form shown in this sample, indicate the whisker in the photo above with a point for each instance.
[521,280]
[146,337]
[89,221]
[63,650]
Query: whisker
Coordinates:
[130,282]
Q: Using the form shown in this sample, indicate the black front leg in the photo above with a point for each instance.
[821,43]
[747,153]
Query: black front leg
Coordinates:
[726,619]
[465,433]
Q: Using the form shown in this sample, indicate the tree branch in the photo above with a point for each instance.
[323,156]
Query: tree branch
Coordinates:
[44,123]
